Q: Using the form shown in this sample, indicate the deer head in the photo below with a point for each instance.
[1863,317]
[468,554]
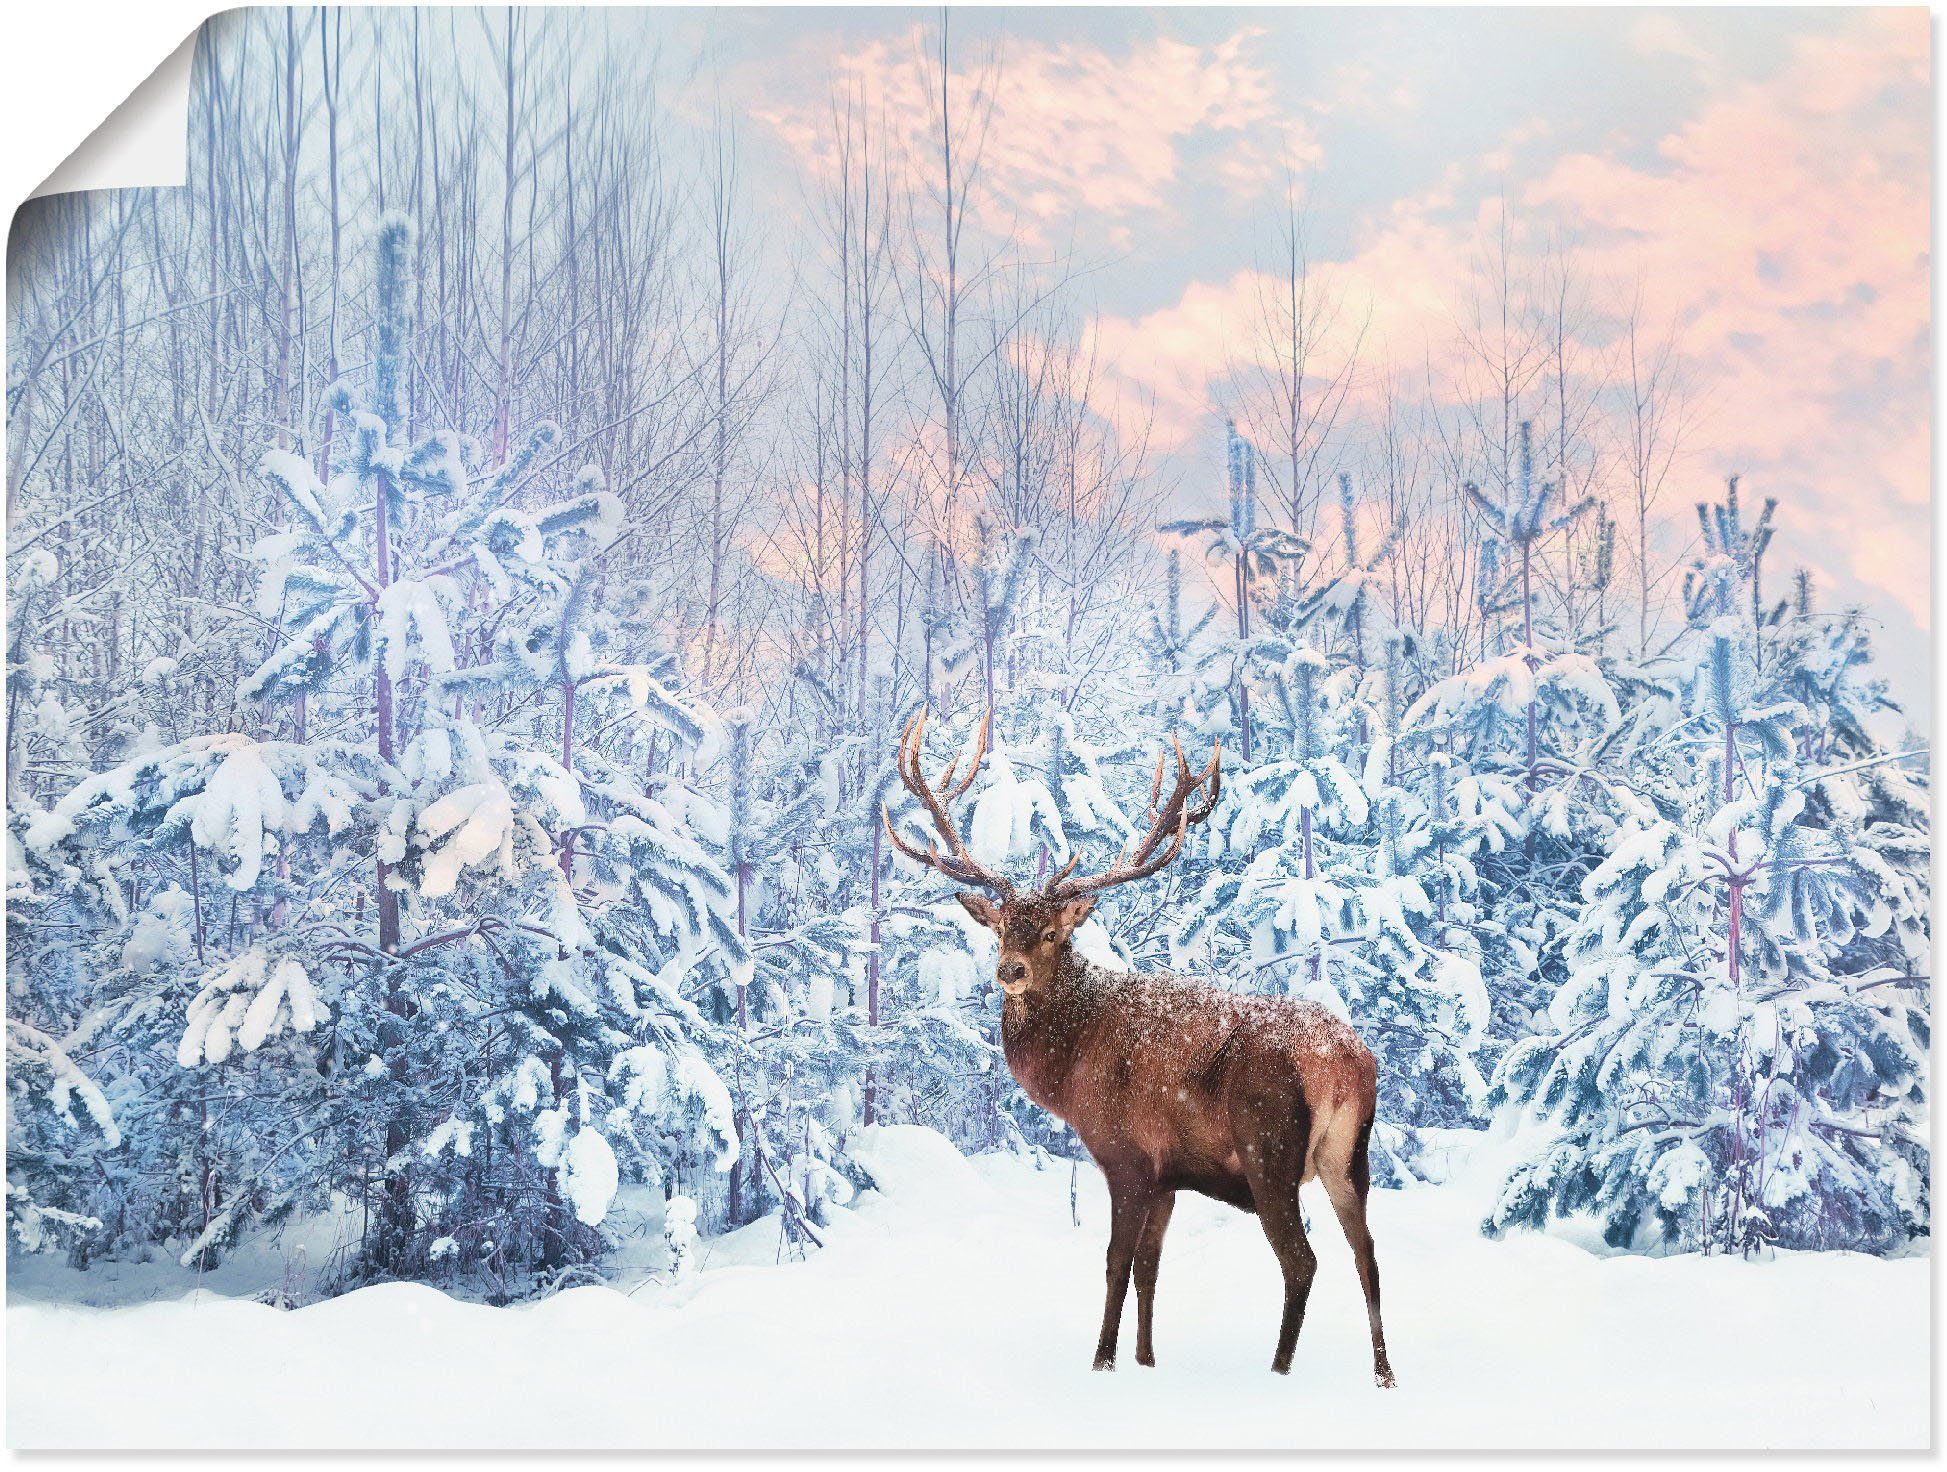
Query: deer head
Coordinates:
[1034,927]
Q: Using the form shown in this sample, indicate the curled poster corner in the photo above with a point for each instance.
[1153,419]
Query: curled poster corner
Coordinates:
[143,143]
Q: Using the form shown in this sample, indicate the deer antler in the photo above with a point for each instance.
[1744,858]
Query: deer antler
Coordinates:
[1168,826]
[957,864]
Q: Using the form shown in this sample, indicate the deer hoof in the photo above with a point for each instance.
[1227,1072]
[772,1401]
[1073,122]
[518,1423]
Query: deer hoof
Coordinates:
[1105,1362]
[1384,1379]
[1147,1360]
[1281,1369]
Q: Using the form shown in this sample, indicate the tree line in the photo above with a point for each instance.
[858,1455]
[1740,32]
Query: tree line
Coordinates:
[470,568]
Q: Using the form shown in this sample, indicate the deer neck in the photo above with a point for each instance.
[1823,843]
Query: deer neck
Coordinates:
[1042,1029]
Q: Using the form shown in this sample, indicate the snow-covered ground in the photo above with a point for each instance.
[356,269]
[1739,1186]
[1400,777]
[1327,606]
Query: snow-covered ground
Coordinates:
[957,1307]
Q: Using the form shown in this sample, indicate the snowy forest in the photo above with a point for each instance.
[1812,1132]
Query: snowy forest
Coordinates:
[469,567]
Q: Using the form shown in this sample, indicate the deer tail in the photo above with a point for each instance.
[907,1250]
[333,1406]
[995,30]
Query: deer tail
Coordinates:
[1360,1169]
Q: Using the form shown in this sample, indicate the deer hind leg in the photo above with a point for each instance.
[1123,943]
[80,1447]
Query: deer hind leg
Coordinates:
[1274,1178]
[1348,1186]
[1127,1208]
[1149,1255]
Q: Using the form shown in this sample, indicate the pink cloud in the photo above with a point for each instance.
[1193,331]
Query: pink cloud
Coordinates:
[1785,226]
[1788,230]
[1074,127]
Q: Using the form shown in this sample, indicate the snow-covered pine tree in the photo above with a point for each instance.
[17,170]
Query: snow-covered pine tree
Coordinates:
[452,937]
[1522,729]
[1170,647]
[1290,898]
[999,575]
[63,1129]
[1723,1074]
[1342,612]
[1417,981]
[790,1075]
[1252,559]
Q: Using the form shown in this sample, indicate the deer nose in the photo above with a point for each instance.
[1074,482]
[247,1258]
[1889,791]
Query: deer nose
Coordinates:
[1013,970]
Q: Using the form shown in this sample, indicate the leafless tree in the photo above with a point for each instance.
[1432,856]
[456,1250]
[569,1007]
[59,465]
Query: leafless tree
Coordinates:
[1306,345]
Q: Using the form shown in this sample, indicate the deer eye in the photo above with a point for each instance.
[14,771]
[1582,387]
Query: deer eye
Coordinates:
[1049,937]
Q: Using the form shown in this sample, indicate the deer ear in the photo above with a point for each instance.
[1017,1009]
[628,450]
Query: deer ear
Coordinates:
[980,907]
[1075,912]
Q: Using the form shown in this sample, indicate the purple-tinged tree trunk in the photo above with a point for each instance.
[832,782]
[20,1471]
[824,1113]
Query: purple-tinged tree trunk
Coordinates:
[1243,681]
[568,765]
[869,1110]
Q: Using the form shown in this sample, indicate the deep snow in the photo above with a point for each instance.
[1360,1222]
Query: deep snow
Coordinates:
[958,1305]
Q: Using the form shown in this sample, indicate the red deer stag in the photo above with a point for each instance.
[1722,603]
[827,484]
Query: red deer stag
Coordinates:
[1171,1085]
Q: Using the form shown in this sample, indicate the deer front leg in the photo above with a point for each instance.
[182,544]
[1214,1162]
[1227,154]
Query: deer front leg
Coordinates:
[1127,1207]
[1149,1256]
